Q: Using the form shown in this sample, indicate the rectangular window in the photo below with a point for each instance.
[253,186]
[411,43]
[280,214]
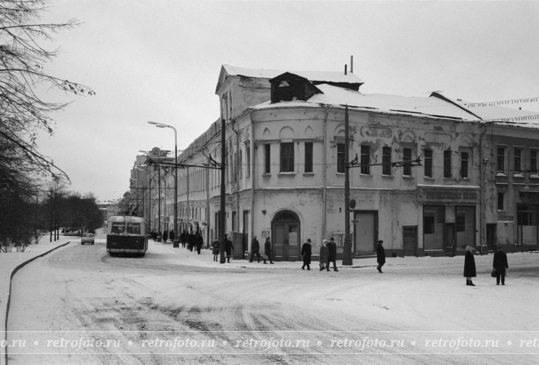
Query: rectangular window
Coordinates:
[407,166]
[234,228]
[386,161]
[533,162]
[340,157]
[287,157]
[267,158]
[428,163]
[464,165]
[308,157]
[500,162]
[365,160]
[518,161]
[447,163]
[500,201]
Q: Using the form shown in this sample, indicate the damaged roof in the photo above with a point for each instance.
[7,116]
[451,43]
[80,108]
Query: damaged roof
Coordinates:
[313,76]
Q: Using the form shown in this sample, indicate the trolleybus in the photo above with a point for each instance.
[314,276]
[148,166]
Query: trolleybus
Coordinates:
[126,234]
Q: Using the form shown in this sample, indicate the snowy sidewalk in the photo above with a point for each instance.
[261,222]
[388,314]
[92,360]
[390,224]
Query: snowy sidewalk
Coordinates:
[9,262]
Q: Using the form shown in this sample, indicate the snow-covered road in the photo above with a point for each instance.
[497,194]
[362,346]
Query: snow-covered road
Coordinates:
[80,306]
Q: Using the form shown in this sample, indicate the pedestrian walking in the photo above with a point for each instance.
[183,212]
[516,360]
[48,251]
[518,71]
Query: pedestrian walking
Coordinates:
[306,252]
[469,266]
[229,248]
[332,253]
[268,251]
[255,249]
[500,265]
[216,245]
[182,238]
[199,241]
[380,256]
[324,255]
[165,236]
[171,235]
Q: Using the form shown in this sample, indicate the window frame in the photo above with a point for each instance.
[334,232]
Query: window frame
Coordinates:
[267,158]
[341,153]
[500,159]
[448,164]
[407,166]
[309,157]
[427,170]
[386,161]
[464,165]
[365,159]
[286,157]
[517,160]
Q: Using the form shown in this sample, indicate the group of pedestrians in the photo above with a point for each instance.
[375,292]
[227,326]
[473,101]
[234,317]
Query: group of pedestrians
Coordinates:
[328,255]
[255,250]
[499,266]
[188,240]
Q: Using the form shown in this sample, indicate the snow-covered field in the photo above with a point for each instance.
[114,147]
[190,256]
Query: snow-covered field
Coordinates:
[174,306]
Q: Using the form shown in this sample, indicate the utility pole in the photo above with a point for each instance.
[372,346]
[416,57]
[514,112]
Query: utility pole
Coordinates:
[347,253]
[222,214]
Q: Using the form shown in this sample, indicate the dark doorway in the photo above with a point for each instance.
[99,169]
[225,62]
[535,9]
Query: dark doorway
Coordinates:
[286,239]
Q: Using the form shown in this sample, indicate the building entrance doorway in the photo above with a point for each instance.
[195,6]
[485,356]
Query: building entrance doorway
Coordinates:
[286,240]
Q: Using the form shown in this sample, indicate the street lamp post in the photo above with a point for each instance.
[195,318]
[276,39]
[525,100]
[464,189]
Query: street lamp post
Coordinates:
[161,125]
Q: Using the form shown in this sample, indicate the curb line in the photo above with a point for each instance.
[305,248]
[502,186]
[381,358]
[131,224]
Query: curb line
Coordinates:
[20,266]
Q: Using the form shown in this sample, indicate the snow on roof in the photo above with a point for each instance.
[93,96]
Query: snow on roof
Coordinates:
[319,76]
[426,106]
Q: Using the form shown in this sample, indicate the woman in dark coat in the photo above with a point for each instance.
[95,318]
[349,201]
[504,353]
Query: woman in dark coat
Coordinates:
[469,266]
[306,252]
[500,264]
[324,255]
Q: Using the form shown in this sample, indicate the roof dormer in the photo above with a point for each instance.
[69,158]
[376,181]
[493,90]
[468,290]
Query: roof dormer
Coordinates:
[289,87]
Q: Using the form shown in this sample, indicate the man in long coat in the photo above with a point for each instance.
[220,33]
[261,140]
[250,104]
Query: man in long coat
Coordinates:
[332,253]
[500,264]
[306,252]
[255,249]
[380,256]
[268,250]
[229,248]
[165,236]
[469,266]
[199,241]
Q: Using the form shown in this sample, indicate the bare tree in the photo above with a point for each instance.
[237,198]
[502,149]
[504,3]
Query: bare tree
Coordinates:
[21,75]
[24,111]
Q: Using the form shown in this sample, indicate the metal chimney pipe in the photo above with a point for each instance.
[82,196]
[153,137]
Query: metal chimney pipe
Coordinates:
[345,69]
[351,64]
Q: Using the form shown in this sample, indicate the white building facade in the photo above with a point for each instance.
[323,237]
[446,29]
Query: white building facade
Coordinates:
[285,168]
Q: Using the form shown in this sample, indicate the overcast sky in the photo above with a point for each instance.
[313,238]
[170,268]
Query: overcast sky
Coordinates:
[159,60]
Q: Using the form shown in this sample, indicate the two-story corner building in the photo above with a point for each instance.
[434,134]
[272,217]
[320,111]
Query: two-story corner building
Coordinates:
[511,184]
[285,167]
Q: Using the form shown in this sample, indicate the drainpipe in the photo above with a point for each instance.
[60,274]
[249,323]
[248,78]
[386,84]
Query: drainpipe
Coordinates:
[324,176]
